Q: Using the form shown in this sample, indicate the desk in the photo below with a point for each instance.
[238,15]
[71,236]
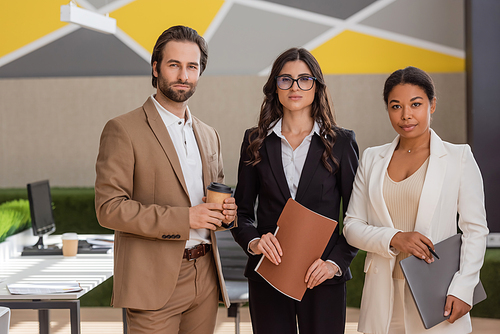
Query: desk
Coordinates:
[89,270]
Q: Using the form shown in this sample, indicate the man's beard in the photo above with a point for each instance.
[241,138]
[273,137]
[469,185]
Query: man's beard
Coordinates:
[175,95]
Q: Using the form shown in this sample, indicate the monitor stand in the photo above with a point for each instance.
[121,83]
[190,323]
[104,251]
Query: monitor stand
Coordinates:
[40,249]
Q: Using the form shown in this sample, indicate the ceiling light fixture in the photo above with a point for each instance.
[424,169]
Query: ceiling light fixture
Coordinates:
[86,18]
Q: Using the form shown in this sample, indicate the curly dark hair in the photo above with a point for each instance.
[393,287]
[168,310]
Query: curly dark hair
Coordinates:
[272,110]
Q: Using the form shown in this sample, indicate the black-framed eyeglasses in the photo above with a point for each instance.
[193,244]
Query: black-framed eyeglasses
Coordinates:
[285,82]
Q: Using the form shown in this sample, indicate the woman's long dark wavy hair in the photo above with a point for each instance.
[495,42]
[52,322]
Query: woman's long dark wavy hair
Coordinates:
[272,110]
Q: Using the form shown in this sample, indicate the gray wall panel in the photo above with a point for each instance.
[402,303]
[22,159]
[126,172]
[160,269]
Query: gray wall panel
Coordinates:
[341,9]
[81,53]
[249,40]
[438,21]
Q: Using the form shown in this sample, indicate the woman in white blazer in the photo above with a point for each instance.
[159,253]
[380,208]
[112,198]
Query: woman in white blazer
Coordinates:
[406,196]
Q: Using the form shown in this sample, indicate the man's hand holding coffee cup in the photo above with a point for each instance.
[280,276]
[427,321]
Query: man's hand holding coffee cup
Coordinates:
[219,209]
[221,194]
[206,215]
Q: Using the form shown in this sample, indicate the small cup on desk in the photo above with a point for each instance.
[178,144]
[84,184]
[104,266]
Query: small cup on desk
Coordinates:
[70,244]
[218,192]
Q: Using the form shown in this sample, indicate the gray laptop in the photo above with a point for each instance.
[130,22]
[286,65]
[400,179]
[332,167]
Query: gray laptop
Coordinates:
[429,283]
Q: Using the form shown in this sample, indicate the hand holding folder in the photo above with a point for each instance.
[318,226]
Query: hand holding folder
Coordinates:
[303,236]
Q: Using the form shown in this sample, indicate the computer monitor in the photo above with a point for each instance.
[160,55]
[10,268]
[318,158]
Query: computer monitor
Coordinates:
[42,221]
[42,217]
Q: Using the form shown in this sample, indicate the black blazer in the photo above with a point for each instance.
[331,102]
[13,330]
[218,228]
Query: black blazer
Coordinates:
[318,190]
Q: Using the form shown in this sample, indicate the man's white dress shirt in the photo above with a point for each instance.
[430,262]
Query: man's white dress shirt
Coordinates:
[182,135]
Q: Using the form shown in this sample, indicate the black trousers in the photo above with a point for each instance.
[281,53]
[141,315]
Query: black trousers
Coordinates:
[321,311]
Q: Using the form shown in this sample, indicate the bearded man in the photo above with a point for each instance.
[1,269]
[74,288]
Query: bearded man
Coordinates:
[152,170]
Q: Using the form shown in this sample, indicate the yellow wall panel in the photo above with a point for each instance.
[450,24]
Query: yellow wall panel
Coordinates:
[354,53]
[145,20]
[22,22]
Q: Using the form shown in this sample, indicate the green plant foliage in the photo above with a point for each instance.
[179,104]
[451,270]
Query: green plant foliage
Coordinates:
[100,296]
[355,285]
[489,308]
[14,217]
[74,209]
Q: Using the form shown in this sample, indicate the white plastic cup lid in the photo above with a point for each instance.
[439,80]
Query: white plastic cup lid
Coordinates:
[69,236]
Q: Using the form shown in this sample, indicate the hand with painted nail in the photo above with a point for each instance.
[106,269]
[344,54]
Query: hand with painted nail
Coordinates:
[413,243]
[269,246]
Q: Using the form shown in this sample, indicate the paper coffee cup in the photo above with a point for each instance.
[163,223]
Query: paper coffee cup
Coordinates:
[70,244]
[218,192]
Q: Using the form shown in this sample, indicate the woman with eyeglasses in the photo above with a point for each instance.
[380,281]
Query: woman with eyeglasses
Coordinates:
[296,151]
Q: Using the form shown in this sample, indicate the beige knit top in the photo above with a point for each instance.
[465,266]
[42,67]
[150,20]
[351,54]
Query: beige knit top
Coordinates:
[402,200]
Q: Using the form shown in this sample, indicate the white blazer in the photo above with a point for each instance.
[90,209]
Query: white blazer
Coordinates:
[453,184]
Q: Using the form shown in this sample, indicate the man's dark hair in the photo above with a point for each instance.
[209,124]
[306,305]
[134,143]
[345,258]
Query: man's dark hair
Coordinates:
[178,33]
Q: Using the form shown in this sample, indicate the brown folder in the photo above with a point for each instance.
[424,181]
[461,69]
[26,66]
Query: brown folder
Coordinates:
[303,235]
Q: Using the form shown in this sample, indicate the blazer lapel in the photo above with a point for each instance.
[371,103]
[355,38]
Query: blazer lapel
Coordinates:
[433,185]
[202,142]
[161,133]
[313,159]
[376,183]
[273,149]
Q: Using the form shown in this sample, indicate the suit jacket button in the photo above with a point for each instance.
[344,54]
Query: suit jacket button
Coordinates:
[164,236]
[177,236]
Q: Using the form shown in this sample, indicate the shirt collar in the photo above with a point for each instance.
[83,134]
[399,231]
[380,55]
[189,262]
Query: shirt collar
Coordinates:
[276,128]
[169,118]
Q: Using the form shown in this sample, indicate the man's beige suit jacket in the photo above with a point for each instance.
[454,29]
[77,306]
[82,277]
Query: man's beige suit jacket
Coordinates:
[141,195]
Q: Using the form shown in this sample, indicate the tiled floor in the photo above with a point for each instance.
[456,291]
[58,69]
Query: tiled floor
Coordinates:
[96,320]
